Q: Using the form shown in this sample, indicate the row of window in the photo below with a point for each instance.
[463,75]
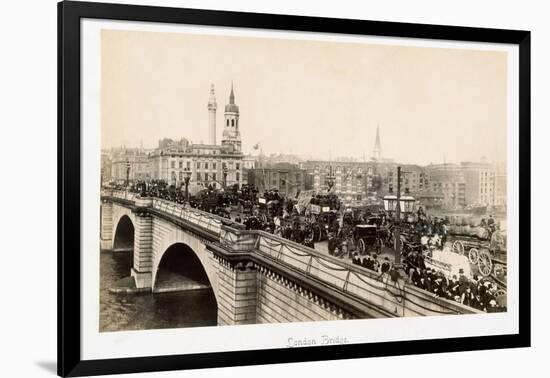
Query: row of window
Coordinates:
[173,164]
[205,152]
[207,176]
[205,165]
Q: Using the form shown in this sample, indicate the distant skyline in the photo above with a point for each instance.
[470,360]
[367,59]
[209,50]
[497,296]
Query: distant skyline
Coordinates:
[311,98]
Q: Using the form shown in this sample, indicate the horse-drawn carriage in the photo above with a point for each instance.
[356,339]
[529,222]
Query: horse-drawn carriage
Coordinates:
[367,236]
[296,228]
[322,224]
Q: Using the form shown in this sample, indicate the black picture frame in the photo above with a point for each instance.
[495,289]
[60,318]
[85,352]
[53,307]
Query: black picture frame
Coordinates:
[70,362]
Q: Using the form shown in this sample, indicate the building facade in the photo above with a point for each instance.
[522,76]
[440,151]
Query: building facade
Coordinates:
[129,163]
[480,183]
[449,180]
[288,180]
[413,177]
[209,164]
[467,184]
[350,181]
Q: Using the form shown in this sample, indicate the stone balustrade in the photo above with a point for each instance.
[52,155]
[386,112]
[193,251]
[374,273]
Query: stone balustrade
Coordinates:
[397,298]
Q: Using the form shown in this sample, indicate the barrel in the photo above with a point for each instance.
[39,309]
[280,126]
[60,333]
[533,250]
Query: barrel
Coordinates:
[476,222]
[482,233]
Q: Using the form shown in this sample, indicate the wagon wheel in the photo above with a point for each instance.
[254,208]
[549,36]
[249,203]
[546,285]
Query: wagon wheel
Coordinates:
[362,246]
[473,256]
[312,234]
[500,271]
[458,247]
[485,264]
[315,234]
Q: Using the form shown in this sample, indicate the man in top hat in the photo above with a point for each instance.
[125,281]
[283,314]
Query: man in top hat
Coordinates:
[356,260]
[367,262]
[438,288]
[453,286]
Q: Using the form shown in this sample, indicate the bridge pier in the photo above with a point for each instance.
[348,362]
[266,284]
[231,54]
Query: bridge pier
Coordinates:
[237,298]
[143,245]
[106,229]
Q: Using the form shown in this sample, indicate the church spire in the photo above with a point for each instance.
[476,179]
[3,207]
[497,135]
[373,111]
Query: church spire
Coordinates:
[232,95]
[231,134]
[377,152]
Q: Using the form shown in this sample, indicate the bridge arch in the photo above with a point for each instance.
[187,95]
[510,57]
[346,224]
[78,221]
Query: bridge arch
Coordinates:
[180,246]
[180,268]
[123,237]
[123,246]
[120,213]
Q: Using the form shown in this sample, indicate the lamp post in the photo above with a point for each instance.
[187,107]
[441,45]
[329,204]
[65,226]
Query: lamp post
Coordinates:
[128,165]
[186,178]
[397,203]
[224,170]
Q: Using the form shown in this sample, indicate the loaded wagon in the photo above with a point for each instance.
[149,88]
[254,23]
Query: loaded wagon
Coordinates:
[483,246]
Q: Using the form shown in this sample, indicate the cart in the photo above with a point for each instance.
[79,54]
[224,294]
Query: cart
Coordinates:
[321,225]
[488,253]
[366,237]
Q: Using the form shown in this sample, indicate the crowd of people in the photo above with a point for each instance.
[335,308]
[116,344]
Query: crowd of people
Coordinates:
[330,200]
[475,291]
[372,262]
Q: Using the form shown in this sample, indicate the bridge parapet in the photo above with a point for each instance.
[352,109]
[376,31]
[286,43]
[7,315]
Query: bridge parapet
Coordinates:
[121,194]
[346,281]
[207,221]
[204,220]
[398,297]
[236,240]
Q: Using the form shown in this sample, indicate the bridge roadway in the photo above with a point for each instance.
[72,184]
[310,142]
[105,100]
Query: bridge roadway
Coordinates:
[349,290]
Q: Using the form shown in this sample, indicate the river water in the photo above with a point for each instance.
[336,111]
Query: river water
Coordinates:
[125,312]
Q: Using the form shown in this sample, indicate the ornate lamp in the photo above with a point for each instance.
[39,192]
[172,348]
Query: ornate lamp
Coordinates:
[407,204]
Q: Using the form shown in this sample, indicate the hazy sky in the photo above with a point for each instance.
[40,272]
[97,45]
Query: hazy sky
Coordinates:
[312,98]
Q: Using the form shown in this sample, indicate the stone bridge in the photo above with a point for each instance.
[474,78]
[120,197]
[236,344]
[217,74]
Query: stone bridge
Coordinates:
[256,277]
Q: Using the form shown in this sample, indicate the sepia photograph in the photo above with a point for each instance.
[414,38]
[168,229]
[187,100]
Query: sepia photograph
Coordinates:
[252,180]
